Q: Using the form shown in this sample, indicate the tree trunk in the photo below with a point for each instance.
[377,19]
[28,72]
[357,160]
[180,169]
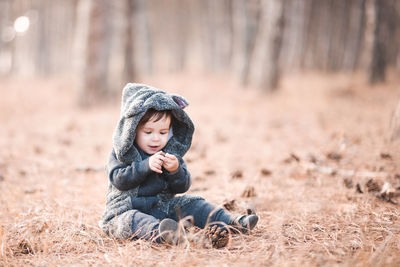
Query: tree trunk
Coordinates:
[379,61]
[143,38]
[129,74]
[42,48]
[266,63]
[97,53]
[246,16]
[179,32]
[6,35]
[295,34]
[355,40]
[271,80]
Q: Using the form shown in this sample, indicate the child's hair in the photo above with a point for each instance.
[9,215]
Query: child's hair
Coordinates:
[154,114]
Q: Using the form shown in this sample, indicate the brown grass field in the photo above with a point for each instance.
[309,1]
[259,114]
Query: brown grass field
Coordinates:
[300,157]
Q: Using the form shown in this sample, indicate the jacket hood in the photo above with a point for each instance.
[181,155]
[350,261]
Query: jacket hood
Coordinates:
[136,100]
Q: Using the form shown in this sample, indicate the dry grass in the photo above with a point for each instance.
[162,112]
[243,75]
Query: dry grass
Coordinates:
[53,187]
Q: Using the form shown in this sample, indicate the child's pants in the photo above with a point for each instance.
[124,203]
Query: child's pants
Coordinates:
[144,224]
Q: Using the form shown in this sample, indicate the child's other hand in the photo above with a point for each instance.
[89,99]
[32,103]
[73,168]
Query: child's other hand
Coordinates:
[156,161]
[171,163]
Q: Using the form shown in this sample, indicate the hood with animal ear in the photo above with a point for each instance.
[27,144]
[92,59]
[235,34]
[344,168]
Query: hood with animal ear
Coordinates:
[136,100]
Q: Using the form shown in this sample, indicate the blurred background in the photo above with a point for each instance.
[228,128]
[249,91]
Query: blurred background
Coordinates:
[103,44]
[292,101]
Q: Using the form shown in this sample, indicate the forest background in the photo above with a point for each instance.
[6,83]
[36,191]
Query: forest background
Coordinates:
[102,44]
[308,89]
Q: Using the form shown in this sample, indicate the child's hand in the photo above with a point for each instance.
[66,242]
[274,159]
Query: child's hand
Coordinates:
[171,163]
[156,161]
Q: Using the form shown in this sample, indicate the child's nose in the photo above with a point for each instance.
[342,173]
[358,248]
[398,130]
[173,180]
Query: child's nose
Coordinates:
[155,137]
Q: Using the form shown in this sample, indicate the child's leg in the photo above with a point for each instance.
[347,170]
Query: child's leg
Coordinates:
[204,214]
[133,224]
[202,211]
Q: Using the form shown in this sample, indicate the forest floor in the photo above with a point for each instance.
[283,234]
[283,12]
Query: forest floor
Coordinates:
[313,160]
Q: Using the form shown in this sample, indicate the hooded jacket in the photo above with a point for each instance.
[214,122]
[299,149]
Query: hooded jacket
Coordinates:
[132,184]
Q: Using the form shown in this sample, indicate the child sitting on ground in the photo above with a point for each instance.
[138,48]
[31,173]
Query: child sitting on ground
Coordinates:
[146,171]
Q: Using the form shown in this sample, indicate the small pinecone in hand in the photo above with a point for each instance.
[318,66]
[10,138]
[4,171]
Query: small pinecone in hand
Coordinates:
[218,236]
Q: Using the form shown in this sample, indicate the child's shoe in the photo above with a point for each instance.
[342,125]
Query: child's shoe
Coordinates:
[245,223]
[169,231]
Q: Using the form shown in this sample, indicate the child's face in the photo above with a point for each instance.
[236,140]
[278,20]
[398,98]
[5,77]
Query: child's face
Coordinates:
[152,136]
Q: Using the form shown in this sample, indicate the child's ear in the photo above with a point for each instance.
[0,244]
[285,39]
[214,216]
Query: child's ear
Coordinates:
[132,102]
[182,103]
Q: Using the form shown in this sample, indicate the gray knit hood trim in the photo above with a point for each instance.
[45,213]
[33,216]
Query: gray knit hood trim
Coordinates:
[136,100]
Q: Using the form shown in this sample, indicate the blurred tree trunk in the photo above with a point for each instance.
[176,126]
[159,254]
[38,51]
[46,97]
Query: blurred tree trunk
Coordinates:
[392,21]
[386,40]
[266,63]
[378,65]
[6,46]
[42,57]
[225,34]
[355,42]
[210,10]
[271,79]
[339,30]
[218,34]
[143,38]
[52,26]
[23,51]
[309,33]
[246,16]
[80,45]
[97,52]
[295,33]
[334,34]
[319,34]
[179,22]
[129,72]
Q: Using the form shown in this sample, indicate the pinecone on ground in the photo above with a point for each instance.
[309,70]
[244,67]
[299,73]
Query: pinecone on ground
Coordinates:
[218,236]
